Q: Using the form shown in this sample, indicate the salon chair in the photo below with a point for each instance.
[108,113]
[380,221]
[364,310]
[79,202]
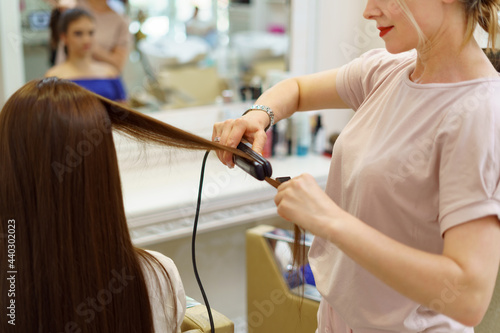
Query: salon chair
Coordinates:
[196,321]
[271,306]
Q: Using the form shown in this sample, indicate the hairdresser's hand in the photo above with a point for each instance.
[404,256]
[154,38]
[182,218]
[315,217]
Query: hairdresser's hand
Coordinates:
[251,127]
[302,201]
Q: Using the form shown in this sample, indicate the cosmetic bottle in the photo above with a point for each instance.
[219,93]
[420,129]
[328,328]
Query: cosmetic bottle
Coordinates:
[225,106]
[256,87]
[268,146]
[302,131]
[319,137]
[280,139]
[289,137]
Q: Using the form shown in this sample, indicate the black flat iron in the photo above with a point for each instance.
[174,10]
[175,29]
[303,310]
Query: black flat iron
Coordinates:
[259,167]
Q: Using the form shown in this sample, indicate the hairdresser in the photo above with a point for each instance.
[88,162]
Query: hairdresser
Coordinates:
[76,28]
[112,35]
[407,232]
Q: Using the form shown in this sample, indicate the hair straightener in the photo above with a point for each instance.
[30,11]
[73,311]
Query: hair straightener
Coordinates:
[259,167]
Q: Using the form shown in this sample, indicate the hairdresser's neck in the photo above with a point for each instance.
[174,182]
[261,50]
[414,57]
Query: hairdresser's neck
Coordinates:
[99,6]
[448,60]
[448,65]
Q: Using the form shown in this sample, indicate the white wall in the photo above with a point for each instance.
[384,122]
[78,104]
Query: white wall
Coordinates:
[327,34]
[11,49]
[343,33]
[303,34]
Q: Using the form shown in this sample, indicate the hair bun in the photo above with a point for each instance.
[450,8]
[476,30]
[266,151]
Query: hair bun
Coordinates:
[481,4]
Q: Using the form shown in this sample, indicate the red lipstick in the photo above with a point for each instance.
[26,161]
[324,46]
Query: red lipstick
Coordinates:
[384,30]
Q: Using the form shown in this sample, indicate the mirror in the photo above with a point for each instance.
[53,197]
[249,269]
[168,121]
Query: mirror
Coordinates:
[185,53]
[196,52]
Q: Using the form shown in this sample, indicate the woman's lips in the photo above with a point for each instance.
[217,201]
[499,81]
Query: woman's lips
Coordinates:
[384,30]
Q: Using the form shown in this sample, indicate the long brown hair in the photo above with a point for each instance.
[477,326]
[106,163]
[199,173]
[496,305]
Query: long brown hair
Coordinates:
[61,198]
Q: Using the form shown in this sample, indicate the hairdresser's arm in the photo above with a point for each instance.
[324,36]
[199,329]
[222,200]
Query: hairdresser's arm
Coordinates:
[458,282]
[117,57]
[311,92]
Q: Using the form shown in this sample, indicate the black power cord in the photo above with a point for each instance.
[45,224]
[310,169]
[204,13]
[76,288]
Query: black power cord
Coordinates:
[251,171]
[193,241]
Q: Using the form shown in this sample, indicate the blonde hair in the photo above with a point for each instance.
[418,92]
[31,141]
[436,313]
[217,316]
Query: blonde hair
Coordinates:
[482,12]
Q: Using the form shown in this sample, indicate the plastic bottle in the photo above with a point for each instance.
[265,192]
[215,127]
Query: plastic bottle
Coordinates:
[319,137]
[268,146]
[302,133]
[280,139]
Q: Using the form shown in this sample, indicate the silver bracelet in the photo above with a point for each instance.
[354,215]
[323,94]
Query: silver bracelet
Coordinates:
[266,109]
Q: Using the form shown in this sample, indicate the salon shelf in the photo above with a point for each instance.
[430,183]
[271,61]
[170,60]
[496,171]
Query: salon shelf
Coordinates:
[160,186]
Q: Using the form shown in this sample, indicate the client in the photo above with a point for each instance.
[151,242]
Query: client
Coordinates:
[63,222]
[76,28]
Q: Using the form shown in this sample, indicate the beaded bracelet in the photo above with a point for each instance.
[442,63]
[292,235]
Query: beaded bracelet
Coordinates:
[266,109]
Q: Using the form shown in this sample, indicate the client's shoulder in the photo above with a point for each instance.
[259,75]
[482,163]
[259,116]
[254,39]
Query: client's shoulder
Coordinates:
[62,71]
[154,259]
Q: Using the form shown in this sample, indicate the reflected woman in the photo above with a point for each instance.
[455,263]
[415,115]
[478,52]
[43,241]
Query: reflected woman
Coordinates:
[77,32]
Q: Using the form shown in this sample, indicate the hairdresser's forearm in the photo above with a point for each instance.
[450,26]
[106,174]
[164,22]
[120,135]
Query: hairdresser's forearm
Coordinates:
[117,58]
[446,283]
[283,99]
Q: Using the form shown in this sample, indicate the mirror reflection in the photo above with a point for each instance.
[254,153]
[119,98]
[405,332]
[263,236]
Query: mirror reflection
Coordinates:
[180,53]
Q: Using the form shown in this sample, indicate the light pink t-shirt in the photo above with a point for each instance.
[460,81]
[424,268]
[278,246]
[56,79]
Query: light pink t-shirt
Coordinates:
[414,161]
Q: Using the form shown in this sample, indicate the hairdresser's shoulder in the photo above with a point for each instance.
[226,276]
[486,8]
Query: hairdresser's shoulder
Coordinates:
[381,57]
[373,67]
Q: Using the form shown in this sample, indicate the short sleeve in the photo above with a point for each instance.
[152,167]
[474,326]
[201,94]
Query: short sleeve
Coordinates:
[157,301]
[469,168]
[357,79]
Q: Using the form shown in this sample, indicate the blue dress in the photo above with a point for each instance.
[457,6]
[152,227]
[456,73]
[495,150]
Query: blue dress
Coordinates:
[112,89]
